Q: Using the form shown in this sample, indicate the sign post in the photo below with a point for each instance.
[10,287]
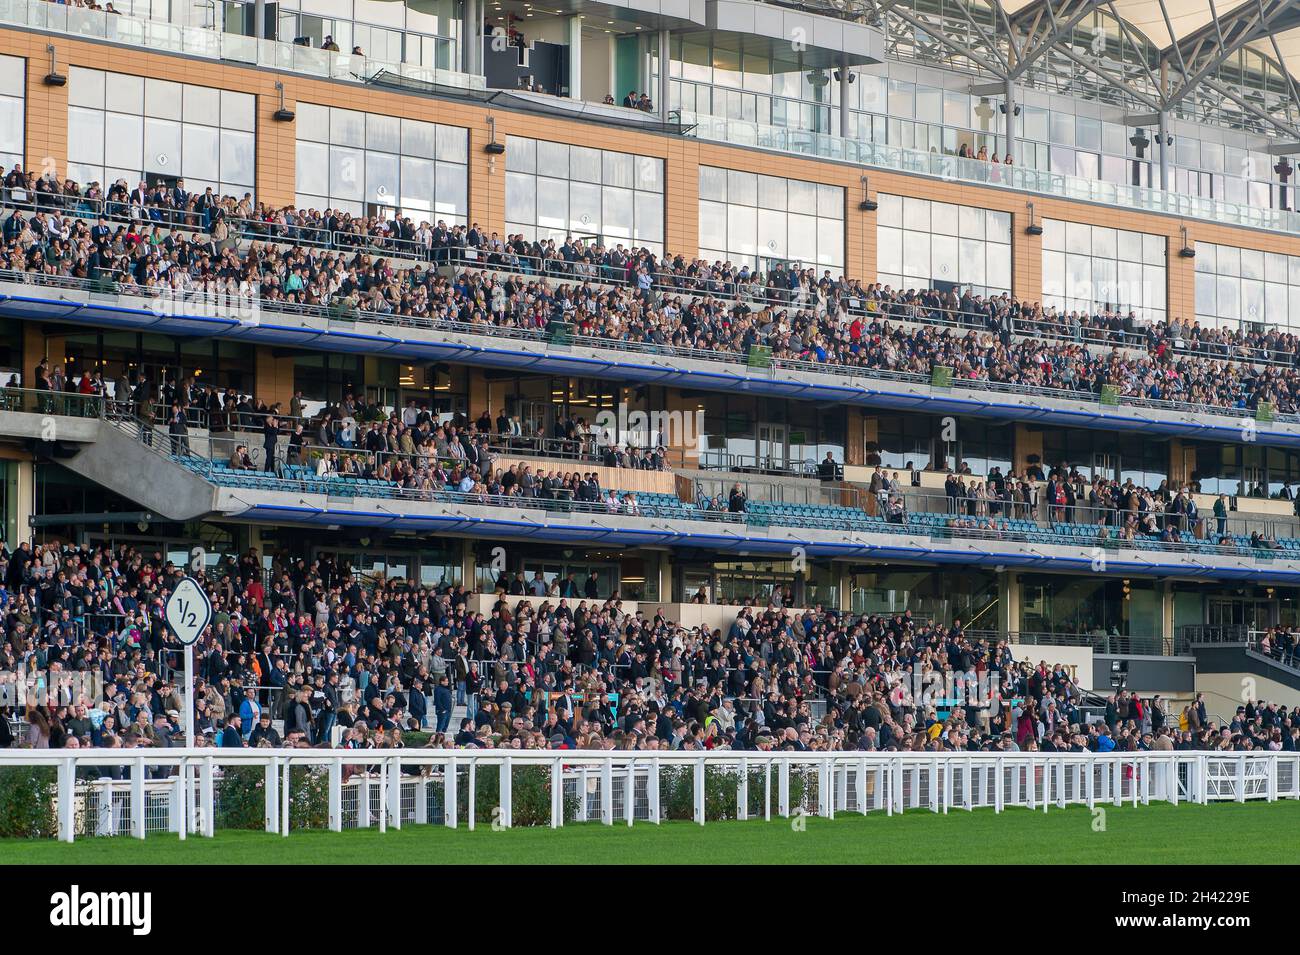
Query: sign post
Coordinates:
[188,614]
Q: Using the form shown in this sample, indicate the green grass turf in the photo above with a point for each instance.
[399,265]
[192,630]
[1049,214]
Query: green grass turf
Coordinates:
[1226,833]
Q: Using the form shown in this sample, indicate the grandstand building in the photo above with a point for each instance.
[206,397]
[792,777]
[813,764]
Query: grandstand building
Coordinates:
[983,312]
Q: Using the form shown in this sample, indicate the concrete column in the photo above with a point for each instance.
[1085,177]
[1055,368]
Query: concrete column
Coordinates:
[845,89]
[643,64]
[1011,121]
[1163,135]
[467,569]
[664,569]
[1163,128]
[1009,603]
[662,96]
[259,20]
[1167,615]
[24,487]
[471,38]
[574,32]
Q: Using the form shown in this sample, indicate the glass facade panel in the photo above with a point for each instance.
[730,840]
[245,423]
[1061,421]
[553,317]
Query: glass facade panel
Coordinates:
[759,220]
[554,190]
[943,246]
[1103,270]
[122,127]
[1234,286]
[383,162]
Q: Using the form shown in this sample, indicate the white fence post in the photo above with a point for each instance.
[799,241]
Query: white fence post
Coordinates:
[742,791]
[286,792]
[271,792]
[607,792]
[699,791]
[505,788]
[207,798]
[363,800]
[449,794]
[629,792]
[652,792]
[395,793]
[106,811]
[176,803]
[557,794]
[336,796]
[421,814]
[67,797]
[138,799]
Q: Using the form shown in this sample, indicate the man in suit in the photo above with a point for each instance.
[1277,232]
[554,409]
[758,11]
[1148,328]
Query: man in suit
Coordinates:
[232,736]
[270,437]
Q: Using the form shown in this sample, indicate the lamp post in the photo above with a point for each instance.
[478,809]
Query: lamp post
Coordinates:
[1139,142]
[1283,170]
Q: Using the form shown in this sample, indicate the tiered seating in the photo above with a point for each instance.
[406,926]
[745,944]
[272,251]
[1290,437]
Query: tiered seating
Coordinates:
[652,504]
[830,516]
[759,513]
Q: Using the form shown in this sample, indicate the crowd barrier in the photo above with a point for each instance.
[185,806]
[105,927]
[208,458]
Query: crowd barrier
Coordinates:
[197,791]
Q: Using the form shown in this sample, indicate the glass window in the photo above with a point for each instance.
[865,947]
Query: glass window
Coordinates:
[124,94]
[238,150]
[200,152]
[1103,268]
[13,76]
[162,146]
[238,111]
[618,170]
[86,135]
[383,133]
[420,139]
[162,98]
[595,197]
[86,87]
[312,161]
[200,104]
[347,127]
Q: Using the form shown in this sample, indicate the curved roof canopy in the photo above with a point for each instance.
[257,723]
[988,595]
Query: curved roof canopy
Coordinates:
[1230,62]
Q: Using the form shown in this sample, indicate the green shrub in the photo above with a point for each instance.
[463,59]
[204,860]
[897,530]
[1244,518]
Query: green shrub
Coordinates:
[27,797]
[309,797]
[677,793]
[241,802]
[530,796]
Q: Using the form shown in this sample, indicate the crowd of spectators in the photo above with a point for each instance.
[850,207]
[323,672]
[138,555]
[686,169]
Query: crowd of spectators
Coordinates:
[416,450]
[302,647]
[296,258]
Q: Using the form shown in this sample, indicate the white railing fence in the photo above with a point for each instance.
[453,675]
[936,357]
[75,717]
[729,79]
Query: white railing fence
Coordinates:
[137,792]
